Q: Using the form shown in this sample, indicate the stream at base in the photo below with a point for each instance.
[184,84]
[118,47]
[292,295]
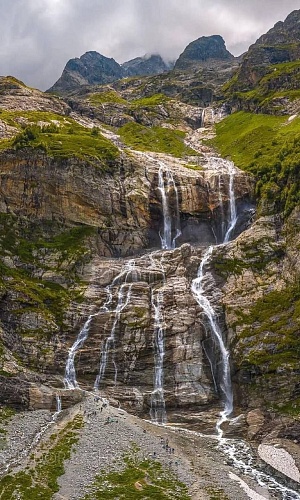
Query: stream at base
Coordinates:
[239,455]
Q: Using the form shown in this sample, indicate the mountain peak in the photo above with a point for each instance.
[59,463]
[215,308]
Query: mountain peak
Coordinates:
[203,50]
[283,31]
[281,44]
[149,64]
[91,68]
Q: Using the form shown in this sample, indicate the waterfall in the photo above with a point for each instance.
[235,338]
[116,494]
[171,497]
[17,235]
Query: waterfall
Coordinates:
[203,118]
[70,372]
[158,407]
[199,292]
[123,300]
[166,187]
[223,222]
[232,205]
[158,412]
[58,403]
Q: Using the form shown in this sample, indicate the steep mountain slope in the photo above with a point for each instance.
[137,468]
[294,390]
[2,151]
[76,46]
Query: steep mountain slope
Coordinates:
[90,68]
[268,78]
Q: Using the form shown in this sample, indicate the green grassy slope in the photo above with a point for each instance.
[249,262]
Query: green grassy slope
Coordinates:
[268,147]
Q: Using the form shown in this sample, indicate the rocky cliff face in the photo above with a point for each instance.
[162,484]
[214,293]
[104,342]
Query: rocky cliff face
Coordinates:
[80,219]
[261,301]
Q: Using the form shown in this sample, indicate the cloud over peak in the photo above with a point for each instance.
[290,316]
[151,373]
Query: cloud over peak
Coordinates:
[40,36]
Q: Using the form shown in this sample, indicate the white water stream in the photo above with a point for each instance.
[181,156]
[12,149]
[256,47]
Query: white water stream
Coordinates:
[238,451]
[232,205]
[158,406]
[171,224]
[123,300]
[70,372]
[241,458]
[199,292]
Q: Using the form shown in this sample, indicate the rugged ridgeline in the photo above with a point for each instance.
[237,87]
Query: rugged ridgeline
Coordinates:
[267,80]
[196,77]
[93,68]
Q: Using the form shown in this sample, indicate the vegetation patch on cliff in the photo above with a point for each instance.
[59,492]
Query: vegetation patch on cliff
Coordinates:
[270,332]
[153,100]
[58,136]
[281,81]
[35,263]
[158,139]
[109,96]
[268,147]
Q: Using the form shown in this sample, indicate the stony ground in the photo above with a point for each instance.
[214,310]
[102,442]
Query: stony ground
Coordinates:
[108,433]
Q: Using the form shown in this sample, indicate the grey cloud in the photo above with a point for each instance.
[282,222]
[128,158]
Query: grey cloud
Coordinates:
[39,36]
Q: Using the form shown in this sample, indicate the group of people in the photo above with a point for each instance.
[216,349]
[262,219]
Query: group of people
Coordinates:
[165,445]
[103,404]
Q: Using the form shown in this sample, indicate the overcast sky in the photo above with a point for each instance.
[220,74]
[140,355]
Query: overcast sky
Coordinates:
[38,37]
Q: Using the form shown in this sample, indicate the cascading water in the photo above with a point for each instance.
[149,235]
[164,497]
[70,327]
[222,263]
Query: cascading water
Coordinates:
[198,290]
[232,205]
[70,372]
[158,412]
[199,294]
[158,406]
[123,300]
[203,118]
[236,450]
[170,224]
[58,405]
[171,216]
[221,205]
